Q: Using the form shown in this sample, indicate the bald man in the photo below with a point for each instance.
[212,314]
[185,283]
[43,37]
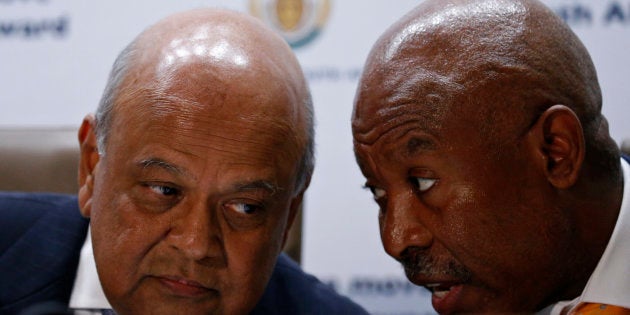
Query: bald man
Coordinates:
[191,173]
[478,127]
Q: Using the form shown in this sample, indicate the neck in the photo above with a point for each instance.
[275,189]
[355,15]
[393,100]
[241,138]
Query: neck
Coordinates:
[595,203]
[599,209]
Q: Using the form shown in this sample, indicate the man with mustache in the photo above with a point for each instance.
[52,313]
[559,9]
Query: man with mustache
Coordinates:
[191,173]
[478,127]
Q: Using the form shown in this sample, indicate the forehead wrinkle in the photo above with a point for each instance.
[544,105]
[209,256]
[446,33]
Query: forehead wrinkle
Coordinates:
[188,113]
[249,133]
[245,149]
[255,146]
[372,131]
[419,97]
[254,106]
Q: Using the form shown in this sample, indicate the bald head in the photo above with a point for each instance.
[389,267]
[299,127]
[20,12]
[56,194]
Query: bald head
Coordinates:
[228,43]
[207,51]
[474,45]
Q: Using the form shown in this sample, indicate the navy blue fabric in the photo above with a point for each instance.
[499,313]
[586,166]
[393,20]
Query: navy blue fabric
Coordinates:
[291,291]
[41,236]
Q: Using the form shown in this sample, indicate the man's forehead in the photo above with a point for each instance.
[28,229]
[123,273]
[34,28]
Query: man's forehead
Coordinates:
[406,96]
[191,103]
[204,132]
[201,105]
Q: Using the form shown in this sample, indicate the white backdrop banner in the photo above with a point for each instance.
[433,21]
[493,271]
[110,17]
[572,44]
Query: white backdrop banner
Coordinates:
[55,56]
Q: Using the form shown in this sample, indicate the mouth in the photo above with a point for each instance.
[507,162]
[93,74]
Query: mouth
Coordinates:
[182,287]
[444,277]
[445,295]
[438,289]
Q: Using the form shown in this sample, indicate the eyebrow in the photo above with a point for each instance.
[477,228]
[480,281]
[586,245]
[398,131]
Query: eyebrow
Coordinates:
[415,144]
[159,163]
[240,186]
[258,184]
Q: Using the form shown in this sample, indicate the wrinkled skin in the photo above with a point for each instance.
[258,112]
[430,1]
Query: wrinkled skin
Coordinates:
[192,199]
[475,164]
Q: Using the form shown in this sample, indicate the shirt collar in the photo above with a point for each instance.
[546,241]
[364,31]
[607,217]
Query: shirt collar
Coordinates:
[610,283]
[87,292]
[607,284]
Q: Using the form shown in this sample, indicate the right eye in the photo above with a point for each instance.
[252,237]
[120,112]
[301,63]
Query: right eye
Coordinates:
[424,184]
[243,208]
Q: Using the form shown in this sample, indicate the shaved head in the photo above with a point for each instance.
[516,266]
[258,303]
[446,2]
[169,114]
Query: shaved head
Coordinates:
[471,45]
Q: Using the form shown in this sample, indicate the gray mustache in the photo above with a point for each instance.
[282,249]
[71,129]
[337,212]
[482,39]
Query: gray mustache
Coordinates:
[417,262]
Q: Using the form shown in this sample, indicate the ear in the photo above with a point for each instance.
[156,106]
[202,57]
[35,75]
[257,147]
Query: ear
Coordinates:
[87,164]
[559,139]
[294,208]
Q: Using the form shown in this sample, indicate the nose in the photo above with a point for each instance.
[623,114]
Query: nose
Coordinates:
[402,226]
[195,232]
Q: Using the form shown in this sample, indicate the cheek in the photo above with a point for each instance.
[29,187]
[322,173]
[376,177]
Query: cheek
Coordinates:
[248,251]
[122,239]
[474,224]
[251,259]
[498,234]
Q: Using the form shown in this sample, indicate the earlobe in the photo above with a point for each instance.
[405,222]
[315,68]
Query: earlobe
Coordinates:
[85,197]
[561,144]
[88,161]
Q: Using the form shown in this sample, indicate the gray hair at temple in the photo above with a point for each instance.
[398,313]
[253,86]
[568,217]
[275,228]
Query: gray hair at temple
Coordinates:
[122,64]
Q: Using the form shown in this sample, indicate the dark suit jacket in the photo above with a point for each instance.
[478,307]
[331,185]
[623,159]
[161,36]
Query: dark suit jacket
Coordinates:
[41,236]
